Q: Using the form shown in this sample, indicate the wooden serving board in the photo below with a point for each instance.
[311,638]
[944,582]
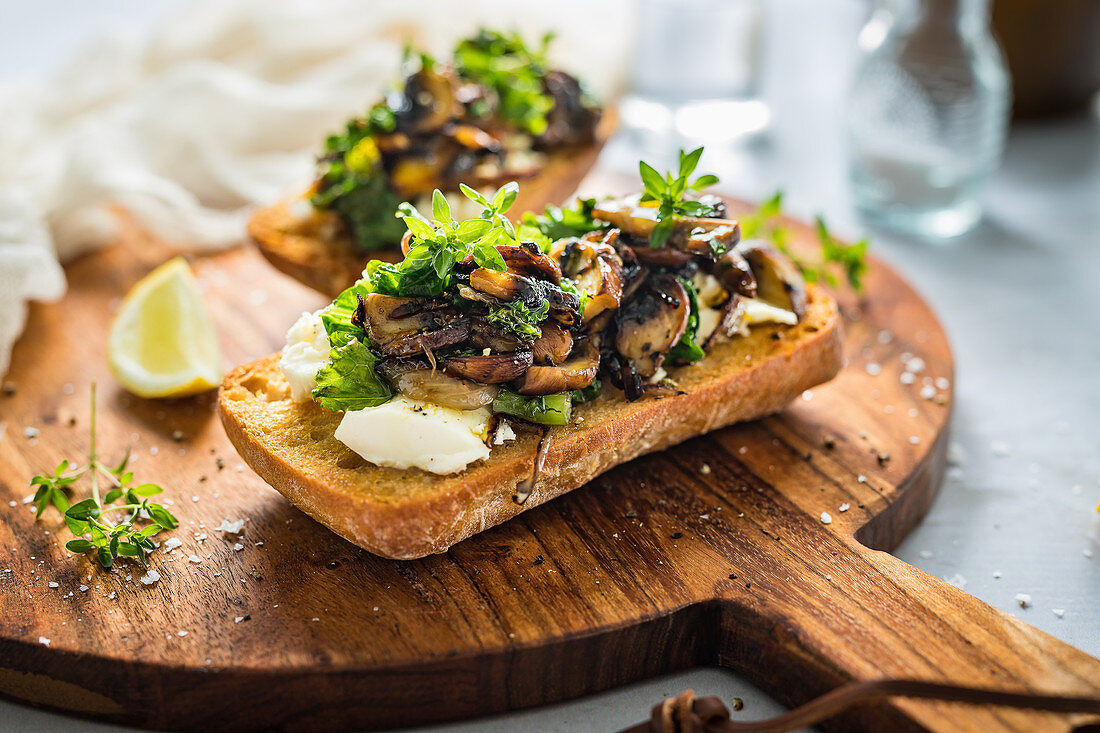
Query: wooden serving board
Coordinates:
[715,552]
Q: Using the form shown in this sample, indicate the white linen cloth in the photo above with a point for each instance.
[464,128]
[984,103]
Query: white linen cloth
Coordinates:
[221,108]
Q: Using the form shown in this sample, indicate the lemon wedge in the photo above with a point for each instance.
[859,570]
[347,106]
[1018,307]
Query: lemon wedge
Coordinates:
[162,342]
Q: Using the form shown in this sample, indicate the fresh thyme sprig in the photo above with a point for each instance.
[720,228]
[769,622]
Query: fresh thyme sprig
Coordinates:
[667,193]
[88,518]
[835,255]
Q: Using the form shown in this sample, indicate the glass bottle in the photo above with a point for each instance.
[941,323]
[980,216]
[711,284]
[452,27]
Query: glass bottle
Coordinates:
[695,74]
[927,115]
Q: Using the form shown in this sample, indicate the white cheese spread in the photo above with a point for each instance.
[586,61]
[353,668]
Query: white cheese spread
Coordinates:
[306,353]
[405,433]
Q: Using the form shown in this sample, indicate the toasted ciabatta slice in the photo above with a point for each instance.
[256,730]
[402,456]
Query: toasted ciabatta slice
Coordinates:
[313,248]
[405,514]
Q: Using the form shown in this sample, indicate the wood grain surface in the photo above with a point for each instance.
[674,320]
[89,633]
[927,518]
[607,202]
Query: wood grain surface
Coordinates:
[714,552]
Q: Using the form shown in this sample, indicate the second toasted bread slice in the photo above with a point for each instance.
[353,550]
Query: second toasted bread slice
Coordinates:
[312,246]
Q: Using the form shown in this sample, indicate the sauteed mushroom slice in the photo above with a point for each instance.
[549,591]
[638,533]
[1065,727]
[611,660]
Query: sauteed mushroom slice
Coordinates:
[527,259]
[652,323]
[418,381]
[705,237]
[553,346]
[735,273]
[577,372]
[778,280]
[402,327]
[503,285]
[570,121]
[490,369]
[729,321]
[428,103]
[596,268]
[699,236]
[484,335]
[474,138]
[509,286]
[662,256]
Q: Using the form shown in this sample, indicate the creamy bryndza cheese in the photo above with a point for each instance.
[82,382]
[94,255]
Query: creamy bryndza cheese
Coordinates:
[711,297]
[405,433]
[305,354]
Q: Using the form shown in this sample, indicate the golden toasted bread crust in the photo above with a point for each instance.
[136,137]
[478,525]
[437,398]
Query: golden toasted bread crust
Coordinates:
[314,248]
[405,514]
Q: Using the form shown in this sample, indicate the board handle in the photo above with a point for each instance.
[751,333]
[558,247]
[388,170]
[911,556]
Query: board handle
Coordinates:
[687,713]
[869,616]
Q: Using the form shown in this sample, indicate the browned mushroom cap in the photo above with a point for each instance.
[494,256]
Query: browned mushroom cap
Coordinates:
[484,335]
[597,269]
[662,256]
[503,285]
[729,321]
[474,138]
[418,381]
[509,286]
[628,215]
[403,327]
[652,322]
[553,346]
[429,102]
[577,372]
[735,274]
[778,280]
[490,369]
[527,259]
[705,237]
[699,236]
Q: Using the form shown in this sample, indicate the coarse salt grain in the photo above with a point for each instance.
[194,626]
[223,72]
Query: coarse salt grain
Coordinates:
[845,507]
[172,543]
[957,580]
[194,558]
[942,383]
[1024,599]
[926,554]
[30,432]
[1059,612]
[181,632]
[907,378]
[927,392]
[914,440]
[232,527]
[150,577]
[43,641]
[915,365]
[873,368]
[826,518]
[996,574]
